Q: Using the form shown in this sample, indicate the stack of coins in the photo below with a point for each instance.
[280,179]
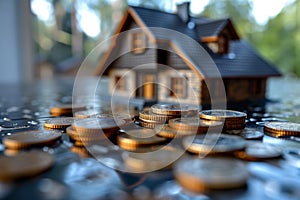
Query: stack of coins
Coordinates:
[281,129]
[28,139]
[233,120]
[66,109]
[89,131]
[58,123]
[159,114]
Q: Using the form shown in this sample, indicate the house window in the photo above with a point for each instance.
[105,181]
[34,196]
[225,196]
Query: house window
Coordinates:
[223,44]
[178,87]
[138,42]
[120,83]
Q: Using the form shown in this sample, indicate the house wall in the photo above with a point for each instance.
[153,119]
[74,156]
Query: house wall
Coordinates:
[193,86]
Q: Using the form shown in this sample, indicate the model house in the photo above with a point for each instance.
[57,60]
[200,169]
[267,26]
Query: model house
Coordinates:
[154,62]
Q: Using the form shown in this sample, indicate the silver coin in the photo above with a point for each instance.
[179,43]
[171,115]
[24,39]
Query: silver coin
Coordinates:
[283,126]
[261,150]
[222,114]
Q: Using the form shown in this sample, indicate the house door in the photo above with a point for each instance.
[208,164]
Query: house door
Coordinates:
[149,86]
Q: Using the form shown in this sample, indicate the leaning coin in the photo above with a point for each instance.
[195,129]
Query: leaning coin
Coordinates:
[213,143]
[258,151]
[24,165]
[200,175]
[282,128]
[28,139]
[59,123]
[96,125]
[174,109]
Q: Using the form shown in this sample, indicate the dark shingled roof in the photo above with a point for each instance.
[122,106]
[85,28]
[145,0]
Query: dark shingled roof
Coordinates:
[242,61]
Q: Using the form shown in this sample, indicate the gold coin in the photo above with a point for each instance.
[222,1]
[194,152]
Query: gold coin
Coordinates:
[151,161]
[74,135]
[96,125]
[66,109]
[149,124]
[200,175]
[135,138]
[282,128]
[24,165]
[27,139]
[146,114]
[81,151]
[195,124]
[171,133]
[259,151]
[59,123]
[213,143]
[175,109]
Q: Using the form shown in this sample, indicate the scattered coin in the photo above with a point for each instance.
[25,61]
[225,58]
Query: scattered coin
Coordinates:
[24,165]
[59,123]
[213,144]
[147,114]
[282,128]
[251,134]
[88,136]
[151,161]
[133,139]
[28,139]
[66,109]
[94,114]
[175,109]
[255,151]
[171,133]
[232,119]
[195,124]
[96,125]
[200,175]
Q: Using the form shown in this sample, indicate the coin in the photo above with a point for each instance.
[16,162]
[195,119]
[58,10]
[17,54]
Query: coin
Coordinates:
[194,124]
[149,124]
[255,151]
[213,143]
[232,119]
[24,165]
[174,109]
[251,134]
[171,133]
[146,162]
[66,109]
[96,125]
[88,136]
[292,156]
[282,128]
[81,151]
[146,114]
[59,123]
[95,114]
[85,113]
[27,139]
[135,138]
[200,175]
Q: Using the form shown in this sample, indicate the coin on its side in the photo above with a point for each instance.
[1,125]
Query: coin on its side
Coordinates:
[66,109]
[96,125]
[24,165]
[28,139]
[195,124]
[59,123]
[256,151]
[175,109]
[213,143]
[282,128]
[200,175]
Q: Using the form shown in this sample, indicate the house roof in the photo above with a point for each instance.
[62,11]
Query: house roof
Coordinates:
[242,61]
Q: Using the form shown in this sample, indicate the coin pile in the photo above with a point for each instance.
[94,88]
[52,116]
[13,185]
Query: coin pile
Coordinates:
[159,114]
[58,123]
[233,120]
[88,131]
[280,129]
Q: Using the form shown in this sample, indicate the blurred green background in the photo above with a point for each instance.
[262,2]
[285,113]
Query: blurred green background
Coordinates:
[65,31]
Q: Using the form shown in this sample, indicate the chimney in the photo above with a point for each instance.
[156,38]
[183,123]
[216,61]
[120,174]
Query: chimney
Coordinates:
[183,11]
